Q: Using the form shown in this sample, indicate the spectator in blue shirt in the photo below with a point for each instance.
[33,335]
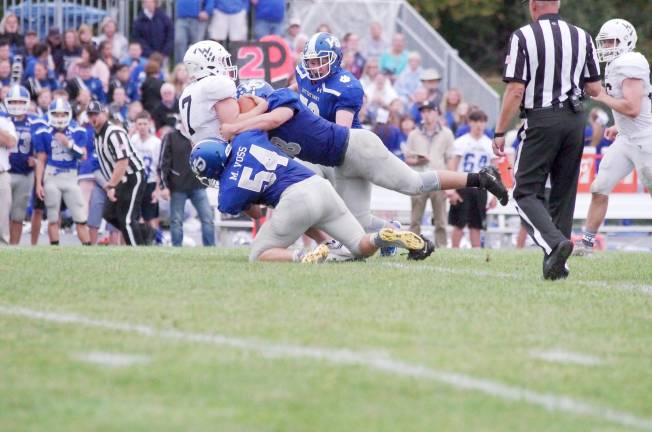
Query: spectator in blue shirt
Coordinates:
[229,20]
[40,80]
[190,24]
[153,30]
[269,17]
[93,84]
[134,57]
[5,73]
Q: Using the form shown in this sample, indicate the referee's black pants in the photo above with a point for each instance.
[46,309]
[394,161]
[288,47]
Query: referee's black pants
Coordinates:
[124,213]
[554,139]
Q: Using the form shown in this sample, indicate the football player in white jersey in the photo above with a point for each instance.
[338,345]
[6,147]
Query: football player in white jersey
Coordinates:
[628,93]
[209,100]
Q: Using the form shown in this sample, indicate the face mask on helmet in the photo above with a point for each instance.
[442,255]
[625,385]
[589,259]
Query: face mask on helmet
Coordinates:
[59,114]
[17,101]
[207,160]
[616,37]
[207,58]
[321,56]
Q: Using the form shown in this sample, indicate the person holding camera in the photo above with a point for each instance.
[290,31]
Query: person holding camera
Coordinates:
[549,65]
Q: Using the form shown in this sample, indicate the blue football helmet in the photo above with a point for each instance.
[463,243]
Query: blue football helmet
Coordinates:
[207,160]
[17,100]
[258,88]
[57,107]
[328,49]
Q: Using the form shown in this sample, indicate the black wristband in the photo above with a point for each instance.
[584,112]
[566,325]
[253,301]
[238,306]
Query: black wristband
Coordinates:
[499,134]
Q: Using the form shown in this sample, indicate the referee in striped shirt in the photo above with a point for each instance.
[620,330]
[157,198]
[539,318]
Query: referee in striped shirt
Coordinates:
[550,64]
[123,170]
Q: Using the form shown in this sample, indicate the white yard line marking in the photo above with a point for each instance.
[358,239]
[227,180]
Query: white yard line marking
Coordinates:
[642,289]
[562,356]
[115,360]
[347,357]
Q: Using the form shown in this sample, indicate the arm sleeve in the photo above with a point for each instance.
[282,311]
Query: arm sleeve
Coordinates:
[592,65]
[350,100]
[8,126]
[209,5]
[283,98]
[516,65]
[40,144]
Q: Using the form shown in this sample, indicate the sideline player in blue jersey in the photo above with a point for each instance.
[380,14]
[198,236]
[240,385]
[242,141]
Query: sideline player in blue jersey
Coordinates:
[21,158]
[358,155]
[59,145]
[328,90]
[251,171]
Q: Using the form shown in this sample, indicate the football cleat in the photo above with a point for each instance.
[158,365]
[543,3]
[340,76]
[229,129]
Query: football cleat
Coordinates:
[404,239]
[390,251]
[316,256]
[425,252]
[491,181]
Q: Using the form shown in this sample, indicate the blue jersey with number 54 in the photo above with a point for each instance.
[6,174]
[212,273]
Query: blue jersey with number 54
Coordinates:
[339,91]
[306,135]
[256,172]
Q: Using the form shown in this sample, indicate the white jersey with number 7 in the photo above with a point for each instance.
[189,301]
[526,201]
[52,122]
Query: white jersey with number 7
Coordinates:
[196,106]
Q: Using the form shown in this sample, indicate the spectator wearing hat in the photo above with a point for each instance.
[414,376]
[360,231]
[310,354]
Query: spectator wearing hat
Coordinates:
[408,80]
[430,80]
[395,59]
[110,33]
[292,32]
[153,30]
[269,17]
[190,24]
[430,147]
[229,20]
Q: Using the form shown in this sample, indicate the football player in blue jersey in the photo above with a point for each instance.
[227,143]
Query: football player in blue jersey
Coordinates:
[328,90]
[58,146]
[21,158]
[252,171]
[360,158]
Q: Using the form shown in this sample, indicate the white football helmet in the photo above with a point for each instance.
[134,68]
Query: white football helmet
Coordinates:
[208,57]
[621,34]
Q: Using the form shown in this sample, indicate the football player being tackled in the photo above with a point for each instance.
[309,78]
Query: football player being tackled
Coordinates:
[251,171]
[209,99]
[628,93]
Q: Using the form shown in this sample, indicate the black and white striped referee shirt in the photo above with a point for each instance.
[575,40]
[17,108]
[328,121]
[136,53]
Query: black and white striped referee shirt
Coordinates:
[111,145]
[551,57]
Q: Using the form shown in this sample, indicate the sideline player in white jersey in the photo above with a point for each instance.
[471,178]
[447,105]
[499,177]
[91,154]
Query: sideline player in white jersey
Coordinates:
[628,93]
[209,100]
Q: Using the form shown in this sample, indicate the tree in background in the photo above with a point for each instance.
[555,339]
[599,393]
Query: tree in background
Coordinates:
[480,29]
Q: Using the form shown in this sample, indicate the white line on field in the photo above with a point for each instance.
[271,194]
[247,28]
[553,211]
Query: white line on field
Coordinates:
[111,359]
[562,356]
[643,289]
[347,357]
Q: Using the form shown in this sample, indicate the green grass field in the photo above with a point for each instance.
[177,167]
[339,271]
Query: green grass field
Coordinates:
[386,345]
